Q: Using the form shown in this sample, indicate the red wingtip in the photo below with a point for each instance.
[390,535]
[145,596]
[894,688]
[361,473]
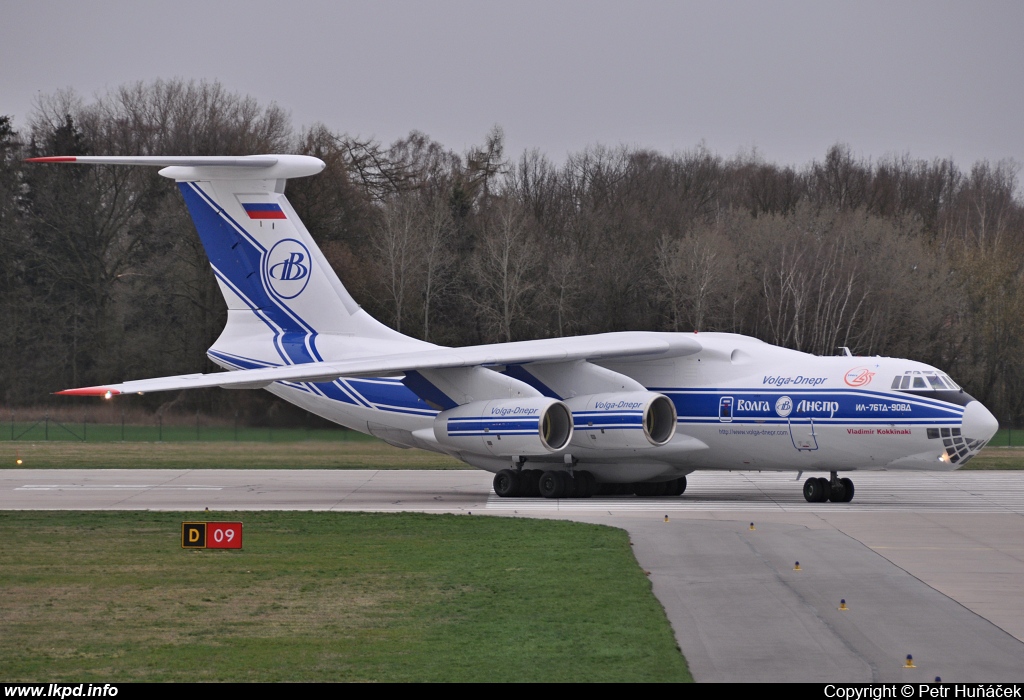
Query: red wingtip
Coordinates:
[51,159]
[89,391]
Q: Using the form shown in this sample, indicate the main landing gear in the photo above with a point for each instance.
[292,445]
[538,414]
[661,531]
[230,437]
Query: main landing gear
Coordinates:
[819,490]
[579,483]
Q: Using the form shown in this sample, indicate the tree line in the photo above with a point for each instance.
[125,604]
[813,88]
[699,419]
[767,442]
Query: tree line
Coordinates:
[104,279]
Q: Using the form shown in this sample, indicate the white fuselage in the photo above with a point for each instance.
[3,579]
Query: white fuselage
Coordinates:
[742,405]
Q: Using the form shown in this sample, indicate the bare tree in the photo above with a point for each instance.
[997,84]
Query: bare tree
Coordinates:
[436,255]
[503,267]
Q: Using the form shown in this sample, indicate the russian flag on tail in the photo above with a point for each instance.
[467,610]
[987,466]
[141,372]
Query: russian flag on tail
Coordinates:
[258,210]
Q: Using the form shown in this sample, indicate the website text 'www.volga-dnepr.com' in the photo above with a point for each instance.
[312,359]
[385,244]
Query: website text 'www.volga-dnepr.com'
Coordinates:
[60,690]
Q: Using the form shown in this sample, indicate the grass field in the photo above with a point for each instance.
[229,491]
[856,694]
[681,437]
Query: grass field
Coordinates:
[326,597]
[998,458]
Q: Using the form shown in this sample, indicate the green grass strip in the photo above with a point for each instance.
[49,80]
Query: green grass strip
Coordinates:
[370,453]
[111,596]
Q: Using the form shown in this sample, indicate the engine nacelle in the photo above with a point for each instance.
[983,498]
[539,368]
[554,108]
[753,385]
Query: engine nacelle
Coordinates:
[622,421]
[506,427]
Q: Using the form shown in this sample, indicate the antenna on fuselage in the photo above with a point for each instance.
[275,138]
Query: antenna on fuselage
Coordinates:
[846,350]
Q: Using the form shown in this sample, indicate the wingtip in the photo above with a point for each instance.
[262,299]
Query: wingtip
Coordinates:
[52,159]
[89,391]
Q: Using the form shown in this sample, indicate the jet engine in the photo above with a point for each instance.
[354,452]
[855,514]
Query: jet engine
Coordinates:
[506,427]
[622,421]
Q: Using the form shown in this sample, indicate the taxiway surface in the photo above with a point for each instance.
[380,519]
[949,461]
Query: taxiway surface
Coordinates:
[929,564]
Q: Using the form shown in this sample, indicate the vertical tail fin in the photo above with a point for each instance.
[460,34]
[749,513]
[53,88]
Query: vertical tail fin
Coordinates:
[285,303]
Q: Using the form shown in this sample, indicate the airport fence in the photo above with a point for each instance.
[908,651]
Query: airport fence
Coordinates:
[1008,436]
[157,428]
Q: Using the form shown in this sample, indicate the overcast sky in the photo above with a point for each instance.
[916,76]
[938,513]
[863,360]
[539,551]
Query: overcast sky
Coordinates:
[932,79]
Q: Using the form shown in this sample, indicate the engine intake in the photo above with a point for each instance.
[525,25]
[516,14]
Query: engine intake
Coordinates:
[622,421]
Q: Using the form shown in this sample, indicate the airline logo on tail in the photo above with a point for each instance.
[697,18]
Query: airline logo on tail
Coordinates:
[286,268]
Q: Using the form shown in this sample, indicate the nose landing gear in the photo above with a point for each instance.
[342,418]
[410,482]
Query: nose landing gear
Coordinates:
[819,490]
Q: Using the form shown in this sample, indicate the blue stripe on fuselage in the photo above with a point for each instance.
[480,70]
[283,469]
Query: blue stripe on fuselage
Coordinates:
[841,406]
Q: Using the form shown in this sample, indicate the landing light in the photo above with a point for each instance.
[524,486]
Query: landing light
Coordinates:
[107,395]
[944,457]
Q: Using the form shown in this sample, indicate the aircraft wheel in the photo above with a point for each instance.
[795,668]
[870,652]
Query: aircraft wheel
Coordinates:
[847,489]
[552,485]
[584,484]
[643,489]
[647,489]
[533,482]
[573,485]
[506,483]
[814,490]
[836,492]
[680,486]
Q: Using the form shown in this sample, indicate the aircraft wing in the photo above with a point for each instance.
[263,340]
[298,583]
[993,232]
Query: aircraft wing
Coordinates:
[627,345]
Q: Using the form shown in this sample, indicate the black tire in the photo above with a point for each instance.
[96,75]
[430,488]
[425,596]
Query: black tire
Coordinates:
[643,489]
[813,490]
[586,484]
[552,485]
[572,486]
[649,489]
[506,483]
[529,482]
[847,489]
[681,486]
[836,492]
[826,489]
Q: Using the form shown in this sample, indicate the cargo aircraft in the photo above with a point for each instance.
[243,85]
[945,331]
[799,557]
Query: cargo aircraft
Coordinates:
[613,413]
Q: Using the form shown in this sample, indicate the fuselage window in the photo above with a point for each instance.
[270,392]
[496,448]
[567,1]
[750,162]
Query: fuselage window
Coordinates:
[906,382]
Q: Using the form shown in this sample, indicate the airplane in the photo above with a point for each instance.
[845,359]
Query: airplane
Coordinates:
[626,413]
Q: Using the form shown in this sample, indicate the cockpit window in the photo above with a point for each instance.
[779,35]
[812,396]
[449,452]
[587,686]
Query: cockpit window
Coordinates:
[927,381]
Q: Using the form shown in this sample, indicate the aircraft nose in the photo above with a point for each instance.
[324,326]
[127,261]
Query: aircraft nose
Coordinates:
[978,422]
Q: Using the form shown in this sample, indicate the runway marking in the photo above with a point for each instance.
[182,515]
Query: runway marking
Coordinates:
[112,487]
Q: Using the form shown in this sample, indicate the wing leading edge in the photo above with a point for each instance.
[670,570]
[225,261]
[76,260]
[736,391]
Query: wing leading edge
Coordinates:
[626,345]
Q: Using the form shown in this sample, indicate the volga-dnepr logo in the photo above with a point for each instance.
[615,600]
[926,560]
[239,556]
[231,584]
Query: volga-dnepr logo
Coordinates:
[286,268]
[858,376]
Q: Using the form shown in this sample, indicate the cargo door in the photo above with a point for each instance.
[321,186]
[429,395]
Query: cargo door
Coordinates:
[803,434]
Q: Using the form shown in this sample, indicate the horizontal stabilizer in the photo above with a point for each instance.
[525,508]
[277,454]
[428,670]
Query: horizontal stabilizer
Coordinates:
[191,161]
[193,168]
[621,346]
